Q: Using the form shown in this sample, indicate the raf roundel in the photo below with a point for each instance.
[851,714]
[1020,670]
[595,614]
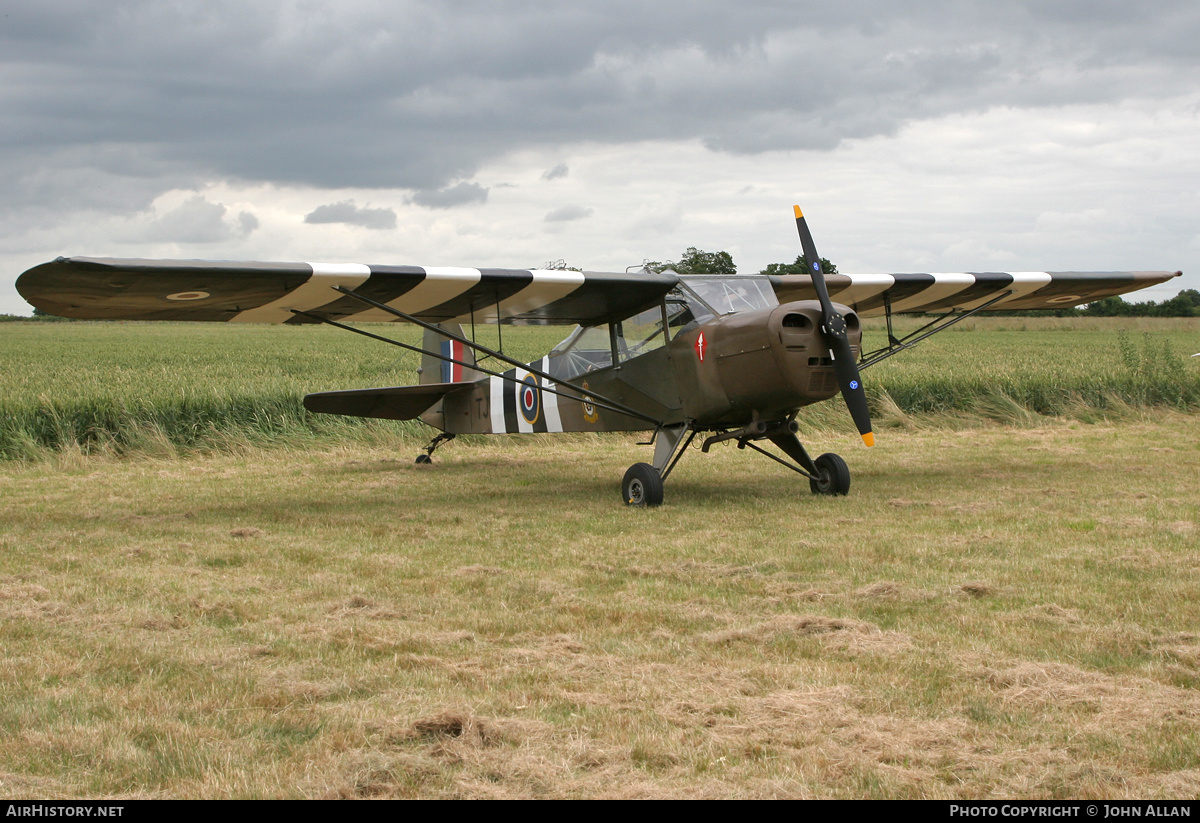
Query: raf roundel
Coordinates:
[531,399]
[589,410]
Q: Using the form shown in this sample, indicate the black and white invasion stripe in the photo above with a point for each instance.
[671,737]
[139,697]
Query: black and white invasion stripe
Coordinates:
[869,294]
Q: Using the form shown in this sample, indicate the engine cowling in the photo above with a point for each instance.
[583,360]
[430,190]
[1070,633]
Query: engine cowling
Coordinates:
[766,363]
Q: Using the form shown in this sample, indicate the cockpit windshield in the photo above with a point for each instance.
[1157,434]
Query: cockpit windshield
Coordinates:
[743,292]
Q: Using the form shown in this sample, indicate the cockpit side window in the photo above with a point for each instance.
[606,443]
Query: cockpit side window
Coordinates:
[681,315]
[644,332]
[640,334]
[692,310]
[586,349]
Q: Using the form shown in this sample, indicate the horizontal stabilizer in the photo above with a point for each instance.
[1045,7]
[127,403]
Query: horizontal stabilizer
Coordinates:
[396,403]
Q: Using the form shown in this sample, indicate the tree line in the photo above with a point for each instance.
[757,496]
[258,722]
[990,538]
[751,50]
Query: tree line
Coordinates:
[695,261]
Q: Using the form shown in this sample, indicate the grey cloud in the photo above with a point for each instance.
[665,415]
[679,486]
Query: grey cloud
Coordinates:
[199,221]
[247,223]
[567,213]
[419,95]
[561,170]
[347,212]
[451,196]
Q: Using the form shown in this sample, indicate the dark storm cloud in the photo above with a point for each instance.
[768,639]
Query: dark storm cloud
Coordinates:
[347,212]
[136,97]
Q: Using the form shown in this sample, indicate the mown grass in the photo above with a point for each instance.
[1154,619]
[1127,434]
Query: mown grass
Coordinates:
[994,611]
[158,388]
[249,604]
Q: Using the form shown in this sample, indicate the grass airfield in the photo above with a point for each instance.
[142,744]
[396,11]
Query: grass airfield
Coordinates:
[996,610]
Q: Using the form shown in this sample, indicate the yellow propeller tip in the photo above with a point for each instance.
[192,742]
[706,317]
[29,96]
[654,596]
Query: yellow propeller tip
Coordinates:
[799,213]
[869,439]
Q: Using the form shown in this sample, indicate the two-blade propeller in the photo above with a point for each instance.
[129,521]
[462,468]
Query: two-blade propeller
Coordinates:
[833,327]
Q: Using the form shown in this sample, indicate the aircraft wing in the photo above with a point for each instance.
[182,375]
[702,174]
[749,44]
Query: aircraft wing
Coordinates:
[868,294]
[120,289]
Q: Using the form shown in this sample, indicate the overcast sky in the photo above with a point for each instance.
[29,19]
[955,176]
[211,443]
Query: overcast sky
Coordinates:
[933,136]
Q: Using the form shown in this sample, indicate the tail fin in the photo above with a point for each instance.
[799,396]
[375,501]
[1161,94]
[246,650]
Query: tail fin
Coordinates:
[435,370]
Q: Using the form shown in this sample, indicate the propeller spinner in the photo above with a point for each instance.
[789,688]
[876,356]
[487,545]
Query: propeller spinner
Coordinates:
[833,328]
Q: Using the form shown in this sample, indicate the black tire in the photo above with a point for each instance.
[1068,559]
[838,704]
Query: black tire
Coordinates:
[834,475]
[423,459]
[642,486]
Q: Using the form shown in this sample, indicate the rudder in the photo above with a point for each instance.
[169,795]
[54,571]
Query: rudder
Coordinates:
[434,369]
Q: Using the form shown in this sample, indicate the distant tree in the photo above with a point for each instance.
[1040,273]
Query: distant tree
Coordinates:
[1184,304]
[695,261]
[38,314]
[1109,307]
[799,267]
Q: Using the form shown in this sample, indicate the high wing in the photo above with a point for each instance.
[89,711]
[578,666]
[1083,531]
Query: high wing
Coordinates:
[247,292]
[871,294]
[252,292]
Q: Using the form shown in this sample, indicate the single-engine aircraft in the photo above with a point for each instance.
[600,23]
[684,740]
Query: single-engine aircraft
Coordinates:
[733,357]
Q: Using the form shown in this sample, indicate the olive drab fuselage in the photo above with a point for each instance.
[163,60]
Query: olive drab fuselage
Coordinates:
[725,372]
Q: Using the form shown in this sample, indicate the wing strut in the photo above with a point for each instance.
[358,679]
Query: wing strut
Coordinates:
[608,403]
[912,339]
[603,403]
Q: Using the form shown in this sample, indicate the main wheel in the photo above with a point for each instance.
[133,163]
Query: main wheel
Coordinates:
[642,486]
[423,459]
[833,475]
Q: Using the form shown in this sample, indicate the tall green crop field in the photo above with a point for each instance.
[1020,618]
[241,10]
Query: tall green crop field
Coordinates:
[164,386]
[1048,366]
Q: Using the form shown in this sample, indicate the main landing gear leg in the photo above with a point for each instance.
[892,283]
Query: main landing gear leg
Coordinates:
[427,457]
[828,474]
[643,483]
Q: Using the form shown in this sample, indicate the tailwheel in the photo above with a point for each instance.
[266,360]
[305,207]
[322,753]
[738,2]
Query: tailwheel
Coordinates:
[427,458]
[833,475]
[642,486]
